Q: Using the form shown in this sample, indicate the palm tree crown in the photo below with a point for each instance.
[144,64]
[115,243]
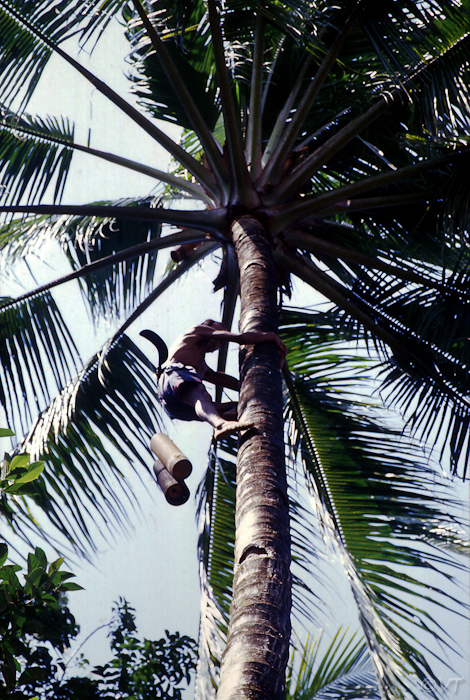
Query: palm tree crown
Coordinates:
[332,138]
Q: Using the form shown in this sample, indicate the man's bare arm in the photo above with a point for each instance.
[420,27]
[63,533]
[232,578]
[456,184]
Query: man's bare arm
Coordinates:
[221,379]
[250,338]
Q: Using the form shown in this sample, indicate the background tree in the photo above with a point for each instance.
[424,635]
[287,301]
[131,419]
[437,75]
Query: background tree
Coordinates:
[34,620]
[39,629]
[324,141]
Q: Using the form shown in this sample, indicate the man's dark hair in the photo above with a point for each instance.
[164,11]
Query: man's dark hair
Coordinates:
[210,322]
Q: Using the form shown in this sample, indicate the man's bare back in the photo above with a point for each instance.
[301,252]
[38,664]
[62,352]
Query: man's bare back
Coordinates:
[191,347]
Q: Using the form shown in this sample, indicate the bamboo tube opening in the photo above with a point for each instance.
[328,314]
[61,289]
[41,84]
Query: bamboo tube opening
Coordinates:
[175,492]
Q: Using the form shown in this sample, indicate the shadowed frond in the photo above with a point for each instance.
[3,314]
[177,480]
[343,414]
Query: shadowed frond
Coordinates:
[151,80]
[420,332]
[216,514]
[24,56]
[114,290]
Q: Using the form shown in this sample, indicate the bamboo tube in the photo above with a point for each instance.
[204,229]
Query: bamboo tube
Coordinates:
[173,459]
[176,492]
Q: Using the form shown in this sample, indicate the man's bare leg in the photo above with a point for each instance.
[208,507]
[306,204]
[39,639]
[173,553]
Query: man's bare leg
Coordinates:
[198,397]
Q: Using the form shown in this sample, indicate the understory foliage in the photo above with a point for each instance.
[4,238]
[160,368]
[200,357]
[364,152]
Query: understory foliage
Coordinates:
[37,633]
[338,132]
[37,629]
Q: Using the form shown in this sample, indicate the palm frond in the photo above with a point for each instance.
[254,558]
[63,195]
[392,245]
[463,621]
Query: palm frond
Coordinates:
[24,56]
[342,670]
[185,39]
[21,237]
[30,162]
[191,238]
[372,485]
[45,133]
[26,25]
[38,356]
[175,77]
[103,417]
[116,290]
[216,514]
[108,291]
[432,59]
[422,357]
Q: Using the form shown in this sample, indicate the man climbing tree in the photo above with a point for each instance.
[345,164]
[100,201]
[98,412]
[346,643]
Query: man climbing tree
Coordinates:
[324,146]
[181,387]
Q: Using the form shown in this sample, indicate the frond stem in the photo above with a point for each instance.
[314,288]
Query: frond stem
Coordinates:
[320,478]
[254,130]
[313,244]
[175,274]
[180,183]
[310,273]
[174,239]
[210,145]
[201,174]
[319,157]
[242,188]
[208,220]
[306,207]
[273,169]
[282,119]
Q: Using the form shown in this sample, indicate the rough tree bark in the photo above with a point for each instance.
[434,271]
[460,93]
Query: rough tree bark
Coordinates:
[254,662]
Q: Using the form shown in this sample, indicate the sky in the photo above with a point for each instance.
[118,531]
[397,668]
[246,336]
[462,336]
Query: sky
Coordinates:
[154,565]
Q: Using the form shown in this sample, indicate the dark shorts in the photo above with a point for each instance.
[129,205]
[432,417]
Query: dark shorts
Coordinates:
[169,387]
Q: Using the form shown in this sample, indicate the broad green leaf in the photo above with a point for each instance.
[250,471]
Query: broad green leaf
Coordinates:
[35,469]
[71,587]
[19,462]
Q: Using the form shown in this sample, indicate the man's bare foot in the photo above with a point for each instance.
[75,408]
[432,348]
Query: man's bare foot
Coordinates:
[230,426]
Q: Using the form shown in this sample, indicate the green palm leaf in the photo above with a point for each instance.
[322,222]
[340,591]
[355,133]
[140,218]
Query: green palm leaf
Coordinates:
[150,79]
[371,487]
[29,161]
[105,413]
[343,670]
[409,326]
[117,289]
[37,353]
[216,515]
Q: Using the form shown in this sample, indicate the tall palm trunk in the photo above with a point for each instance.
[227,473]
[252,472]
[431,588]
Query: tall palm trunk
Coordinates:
[255,659]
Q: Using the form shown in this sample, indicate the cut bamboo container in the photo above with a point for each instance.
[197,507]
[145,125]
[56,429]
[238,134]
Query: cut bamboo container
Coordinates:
[172,458]
[175,492]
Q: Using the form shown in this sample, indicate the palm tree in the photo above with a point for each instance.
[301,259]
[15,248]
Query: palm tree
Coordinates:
[324,142]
